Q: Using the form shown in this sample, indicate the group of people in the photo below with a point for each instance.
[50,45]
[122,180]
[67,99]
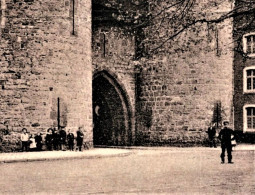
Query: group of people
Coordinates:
[30,142]
[58,140]
[54,140]
[226,136]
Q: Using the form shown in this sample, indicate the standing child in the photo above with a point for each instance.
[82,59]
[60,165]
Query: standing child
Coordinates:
[70,140]
[32,144]
[38,140]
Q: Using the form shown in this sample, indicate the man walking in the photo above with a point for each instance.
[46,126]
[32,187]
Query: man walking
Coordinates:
[225,138]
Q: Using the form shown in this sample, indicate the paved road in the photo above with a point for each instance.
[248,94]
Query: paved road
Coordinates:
[181,171]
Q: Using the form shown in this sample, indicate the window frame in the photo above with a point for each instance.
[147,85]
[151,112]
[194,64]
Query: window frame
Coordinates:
[245,44]
[245,89]
[245,123]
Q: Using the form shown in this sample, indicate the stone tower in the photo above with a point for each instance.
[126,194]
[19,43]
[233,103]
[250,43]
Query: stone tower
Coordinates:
[46,72]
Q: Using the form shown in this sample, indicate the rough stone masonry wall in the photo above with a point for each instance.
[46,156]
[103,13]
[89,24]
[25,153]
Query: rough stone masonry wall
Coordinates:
[116,59]
[42,60]
[182,82]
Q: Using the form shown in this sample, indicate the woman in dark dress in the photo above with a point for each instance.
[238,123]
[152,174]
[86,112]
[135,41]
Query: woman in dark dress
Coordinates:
[38,140]
[49,139]
[70,140]
[79,139]
[62,137]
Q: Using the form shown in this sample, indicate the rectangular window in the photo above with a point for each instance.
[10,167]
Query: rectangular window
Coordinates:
[250,80]
[251,118]
[249,44]
[249,83]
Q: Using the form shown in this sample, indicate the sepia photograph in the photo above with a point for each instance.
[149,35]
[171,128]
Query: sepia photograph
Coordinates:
[127,97]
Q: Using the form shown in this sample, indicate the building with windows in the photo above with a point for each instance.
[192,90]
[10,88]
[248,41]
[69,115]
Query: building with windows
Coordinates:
[244,70]
[126,77]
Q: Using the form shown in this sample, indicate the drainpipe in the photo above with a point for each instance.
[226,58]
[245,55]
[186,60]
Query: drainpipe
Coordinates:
[137,74]
[58,113]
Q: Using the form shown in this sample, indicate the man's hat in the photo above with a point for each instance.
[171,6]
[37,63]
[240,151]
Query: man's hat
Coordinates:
[225,122]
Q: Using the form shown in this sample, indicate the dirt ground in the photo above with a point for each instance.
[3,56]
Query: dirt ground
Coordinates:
[150,171]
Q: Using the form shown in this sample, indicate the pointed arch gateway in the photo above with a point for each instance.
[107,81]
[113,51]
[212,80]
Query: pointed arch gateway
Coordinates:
[111,111]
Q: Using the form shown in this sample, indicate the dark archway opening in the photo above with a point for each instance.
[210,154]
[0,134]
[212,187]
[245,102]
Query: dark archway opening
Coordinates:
[111,117]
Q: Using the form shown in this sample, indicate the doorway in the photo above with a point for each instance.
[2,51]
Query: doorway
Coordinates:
[111,114]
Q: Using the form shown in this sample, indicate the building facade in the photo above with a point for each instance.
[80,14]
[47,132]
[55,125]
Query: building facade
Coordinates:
[123,72]
[244,99]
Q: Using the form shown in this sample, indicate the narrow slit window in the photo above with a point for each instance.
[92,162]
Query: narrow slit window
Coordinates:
[73,7]
[72,16]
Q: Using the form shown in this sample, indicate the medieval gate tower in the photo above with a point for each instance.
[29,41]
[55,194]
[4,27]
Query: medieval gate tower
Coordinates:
[76,63]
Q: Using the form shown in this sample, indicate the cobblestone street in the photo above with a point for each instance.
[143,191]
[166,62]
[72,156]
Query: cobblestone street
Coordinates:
[158,170]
